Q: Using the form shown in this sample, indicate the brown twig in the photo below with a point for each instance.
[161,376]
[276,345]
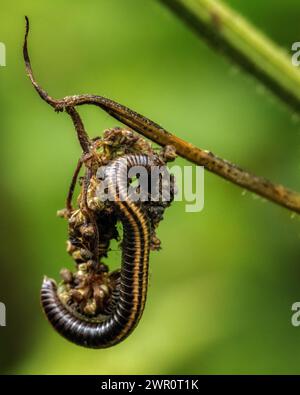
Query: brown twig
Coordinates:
[79,127]
[274,192]
[72,186]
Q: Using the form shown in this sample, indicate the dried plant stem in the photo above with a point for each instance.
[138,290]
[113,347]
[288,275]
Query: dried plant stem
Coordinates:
[228,32]
[273,192]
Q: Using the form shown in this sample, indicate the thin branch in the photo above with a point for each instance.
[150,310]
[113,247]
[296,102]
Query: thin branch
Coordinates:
[73,185]
[273,192]
[43,94]
[229,33]
[79,127]
[89,214]
[81,133]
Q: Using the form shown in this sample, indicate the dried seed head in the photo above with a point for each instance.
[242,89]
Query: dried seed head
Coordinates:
[95,204]
[90,308]
[87,230]
[82,268]
[70,247]
[76,295]
[85,254]
[63,213]
[66,275]
[155,243]
[76,255]
[168,153]
[105,289]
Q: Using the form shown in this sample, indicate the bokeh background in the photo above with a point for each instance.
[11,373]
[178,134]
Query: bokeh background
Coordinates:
[222,287]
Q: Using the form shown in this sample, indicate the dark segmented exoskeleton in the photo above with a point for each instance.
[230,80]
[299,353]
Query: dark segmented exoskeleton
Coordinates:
[129,300]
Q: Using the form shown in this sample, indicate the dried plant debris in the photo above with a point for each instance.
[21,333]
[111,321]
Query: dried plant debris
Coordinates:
[91,289]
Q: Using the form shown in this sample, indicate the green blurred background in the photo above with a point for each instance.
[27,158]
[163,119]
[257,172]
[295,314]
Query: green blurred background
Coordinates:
[222,287]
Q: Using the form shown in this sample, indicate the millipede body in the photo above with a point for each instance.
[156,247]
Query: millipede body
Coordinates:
[130,296]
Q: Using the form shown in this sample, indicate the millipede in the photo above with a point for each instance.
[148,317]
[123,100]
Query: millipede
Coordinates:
[133,276]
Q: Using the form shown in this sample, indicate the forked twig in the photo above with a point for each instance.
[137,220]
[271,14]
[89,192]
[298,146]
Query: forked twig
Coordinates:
[274,192]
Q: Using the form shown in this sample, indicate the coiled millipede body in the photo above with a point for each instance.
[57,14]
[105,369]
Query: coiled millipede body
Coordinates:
[129,304]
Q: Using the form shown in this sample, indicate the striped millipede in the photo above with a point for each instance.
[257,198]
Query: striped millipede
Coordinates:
[131,296]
